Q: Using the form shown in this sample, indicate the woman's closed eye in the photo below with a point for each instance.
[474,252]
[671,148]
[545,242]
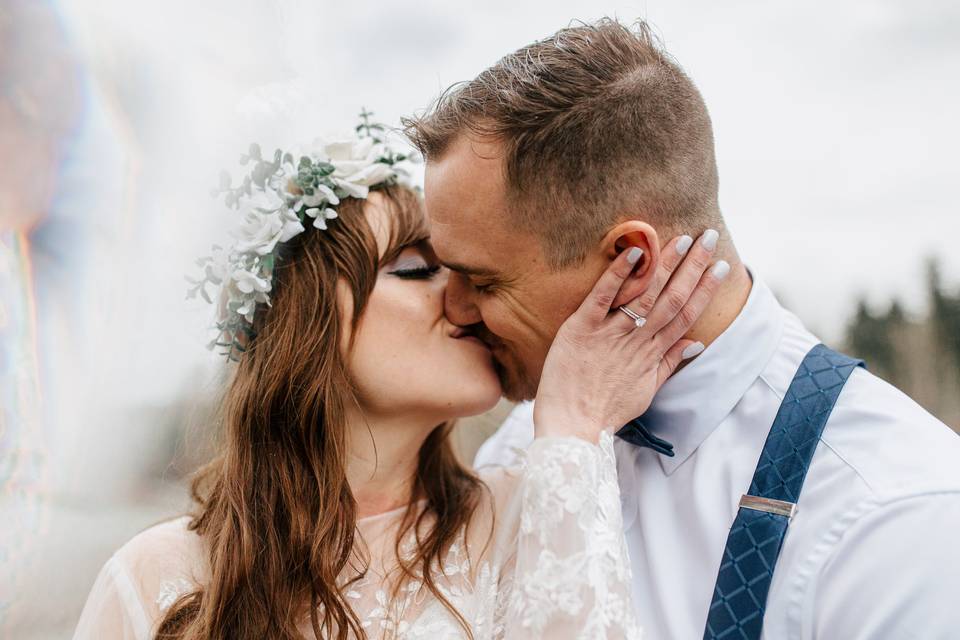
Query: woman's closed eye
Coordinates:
[413,263]
[421,272]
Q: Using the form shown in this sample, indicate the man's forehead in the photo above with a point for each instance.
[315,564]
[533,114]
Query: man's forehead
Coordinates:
[467,209]
[467,178]
[464,196]
[458,248]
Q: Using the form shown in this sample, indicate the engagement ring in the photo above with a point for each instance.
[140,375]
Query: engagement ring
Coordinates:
[637,319]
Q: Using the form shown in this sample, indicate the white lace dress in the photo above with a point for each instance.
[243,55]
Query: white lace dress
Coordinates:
[556,566]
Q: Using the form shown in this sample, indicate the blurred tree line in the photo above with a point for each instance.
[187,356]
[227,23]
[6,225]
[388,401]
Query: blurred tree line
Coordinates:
[920,355]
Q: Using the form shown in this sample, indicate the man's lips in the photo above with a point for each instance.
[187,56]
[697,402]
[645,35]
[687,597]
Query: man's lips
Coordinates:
[464,333]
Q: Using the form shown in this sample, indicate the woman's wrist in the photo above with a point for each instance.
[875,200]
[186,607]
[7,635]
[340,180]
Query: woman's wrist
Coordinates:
[549,424]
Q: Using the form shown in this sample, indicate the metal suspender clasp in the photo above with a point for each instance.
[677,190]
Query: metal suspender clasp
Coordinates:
[778,507]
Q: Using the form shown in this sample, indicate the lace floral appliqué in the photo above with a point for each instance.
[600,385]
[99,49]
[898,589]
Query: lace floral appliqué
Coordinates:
[556,567]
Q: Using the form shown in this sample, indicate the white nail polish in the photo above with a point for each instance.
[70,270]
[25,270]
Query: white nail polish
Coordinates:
[693,350]
[709,239]
[634,255]
[684,244]
[720,270]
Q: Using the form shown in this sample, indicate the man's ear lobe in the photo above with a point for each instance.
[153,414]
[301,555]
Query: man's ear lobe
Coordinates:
[623,237]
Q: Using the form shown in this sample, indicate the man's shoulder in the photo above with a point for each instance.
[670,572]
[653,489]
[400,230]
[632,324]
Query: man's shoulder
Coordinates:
[895,447]
[886,474]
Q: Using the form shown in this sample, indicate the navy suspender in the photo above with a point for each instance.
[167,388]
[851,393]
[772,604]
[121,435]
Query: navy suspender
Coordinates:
[755,539]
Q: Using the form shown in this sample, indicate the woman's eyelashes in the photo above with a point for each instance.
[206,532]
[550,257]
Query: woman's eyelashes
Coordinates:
[418,272]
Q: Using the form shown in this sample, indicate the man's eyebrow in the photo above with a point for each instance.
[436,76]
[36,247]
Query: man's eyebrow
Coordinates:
[473,271]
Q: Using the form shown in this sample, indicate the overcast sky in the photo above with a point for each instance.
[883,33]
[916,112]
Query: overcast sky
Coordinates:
[835,126]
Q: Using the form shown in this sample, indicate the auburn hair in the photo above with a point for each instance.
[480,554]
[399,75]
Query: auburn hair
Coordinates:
[597,124]
[274,507]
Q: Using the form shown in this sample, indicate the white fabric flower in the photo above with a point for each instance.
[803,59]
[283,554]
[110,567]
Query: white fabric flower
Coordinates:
[281,181]
[218,268]
[358,184]
[261,231]
[249,307]
[321,217]
[292,226]
[341,152]
[322,195]
[355,165]
[248,282]
[249,288]
[262,201]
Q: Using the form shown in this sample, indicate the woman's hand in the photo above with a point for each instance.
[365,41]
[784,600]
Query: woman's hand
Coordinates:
[602,369]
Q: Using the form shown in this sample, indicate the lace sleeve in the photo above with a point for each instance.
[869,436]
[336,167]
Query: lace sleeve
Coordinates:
[140,581]
[571,573]
[113,610]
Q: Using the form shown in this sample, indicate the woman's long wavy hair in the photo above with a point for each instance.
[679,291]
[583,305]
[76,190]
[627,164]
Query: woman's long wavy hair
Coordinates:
[275,510]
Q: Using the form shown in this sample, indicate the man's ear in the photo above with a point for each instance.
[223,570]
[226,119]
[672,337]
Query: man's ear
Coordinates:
[633,233]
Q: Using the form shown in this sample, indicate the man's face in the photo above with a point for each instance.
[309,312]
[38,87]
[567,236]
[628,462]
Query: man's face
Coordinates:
[500,285]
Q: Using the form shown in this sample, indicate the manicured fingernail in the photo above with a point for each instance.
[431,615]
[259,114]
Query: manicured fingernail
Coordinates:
[693,350]
[633,256]
[720,270]
[709,239]
[684,244]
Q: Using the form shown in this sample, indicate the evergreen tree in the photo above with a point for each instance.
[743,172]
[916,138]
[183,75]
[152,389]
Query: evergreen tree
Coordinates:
[944,313]
[868,337]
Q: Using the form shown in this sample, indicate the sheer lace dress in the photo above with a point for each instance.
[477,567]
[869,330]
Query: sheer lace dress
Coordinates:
[547,559]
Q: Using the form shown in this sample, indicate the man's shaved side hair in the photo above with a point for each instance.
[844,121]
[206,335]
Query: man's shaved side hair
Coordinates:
[598,125]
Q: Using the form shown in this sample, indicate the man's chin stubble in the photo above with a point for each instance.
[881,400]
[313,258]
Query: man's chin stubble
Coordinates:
[516,385]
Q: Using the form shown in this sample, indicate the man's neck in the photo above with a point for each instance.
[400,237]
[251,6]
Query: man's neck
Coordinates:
[726,305]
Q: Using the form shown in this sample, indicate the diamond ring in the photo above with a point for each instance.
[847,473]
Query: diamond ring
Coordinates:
[637,319]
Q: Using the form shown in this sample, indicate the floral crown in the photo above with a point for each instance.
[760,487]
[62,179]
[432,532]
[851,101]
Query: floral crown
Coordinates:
[276,199]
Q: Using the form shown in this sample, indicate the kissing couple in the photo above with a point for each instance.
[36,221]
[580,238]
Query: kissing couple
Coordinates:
[696,464]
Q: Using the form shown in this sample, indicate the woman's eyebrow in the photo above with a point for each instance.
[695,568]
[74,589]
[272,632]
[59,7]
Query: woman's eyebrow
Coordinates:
[420,245]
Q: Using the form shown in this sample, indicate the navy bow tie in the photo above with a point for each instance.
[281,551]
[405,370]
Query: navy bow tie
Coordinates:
[636,433]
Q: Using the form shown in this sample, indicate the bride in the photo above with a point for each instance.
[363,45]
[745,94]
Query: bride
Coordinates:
[336,507]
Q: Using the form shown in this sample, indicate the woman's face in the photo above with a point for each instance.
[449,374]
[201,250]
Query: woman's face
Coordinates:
[407,358]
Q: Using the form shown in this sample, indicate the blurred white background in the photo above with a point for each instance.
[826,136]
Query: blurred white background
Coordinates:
[837,139]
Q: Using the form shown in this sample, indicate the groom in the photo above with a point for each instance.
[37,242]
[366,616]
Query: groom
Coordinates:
[539,171]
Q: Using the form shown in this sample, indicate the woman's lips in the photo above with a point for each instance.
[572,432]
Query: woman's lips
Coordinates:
[460,333]
[476,340]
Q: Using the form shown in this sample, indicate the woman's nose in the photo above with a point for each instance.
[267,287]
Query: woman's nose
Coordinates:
[458,303]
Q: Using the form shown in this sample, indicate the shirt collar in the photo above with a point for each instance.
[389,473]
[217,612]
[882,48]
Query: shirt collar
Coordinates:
[695,400]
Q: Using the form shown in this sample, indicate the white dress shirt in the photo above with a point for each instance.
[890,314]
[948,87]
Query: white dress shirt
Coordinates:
[874,549]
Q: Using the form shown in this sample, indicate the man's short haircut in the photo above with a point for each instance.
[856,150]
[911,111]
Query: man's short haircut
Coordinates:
[598,125]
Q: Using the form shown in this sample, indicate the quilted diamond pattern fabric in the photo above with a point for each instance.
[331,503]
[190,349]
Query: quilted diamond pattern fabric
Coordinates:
[755,539]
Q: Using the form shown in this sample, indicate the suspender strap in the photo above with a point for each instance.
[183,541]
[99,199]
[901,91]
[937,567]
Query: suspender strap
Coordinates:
[756,537]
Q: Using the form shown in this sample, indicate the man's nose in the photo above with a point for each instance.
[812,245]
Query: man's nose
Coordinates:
[458,302]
